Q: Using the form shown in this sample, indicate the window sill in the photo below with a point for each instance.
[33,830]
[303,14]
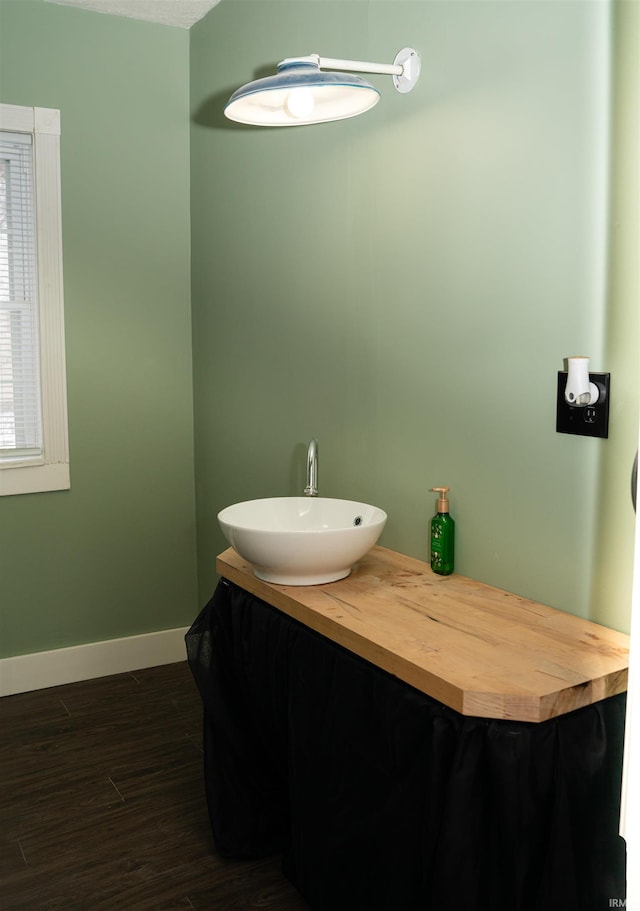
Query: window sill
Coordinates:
[30,478]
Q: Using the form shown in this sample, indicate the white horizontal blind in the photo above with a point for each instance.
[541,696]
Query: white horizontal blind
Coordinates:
[20,406]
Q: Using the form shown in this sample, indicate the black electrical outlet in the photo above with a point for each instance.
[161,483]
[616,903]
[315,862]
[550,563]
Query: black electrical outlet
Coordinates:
[586,420]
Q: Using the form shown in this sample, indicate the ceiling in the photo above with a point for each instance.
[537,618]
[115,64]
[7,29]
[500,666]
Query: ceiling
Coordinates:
[179,13]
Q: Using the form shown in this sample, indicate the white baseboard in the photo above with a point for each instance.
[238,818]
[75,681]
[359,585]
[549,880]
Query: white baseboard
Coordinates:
[95,659]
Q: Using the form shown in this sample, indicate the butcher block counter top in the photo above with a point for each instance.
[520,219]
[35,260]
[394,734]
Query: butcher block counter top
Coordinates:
[479,650]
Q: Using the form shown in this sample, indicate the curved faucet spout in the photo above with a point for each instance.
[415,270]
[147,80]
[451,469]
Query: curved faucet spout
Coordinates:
[311,490]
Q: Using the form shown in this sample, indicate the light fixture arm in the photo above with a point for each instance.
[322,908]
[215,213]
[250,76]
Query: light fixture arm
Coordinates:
[359,66]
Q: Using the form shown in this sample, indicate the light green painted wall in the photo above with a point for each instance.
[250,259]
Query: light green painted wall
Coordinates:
[614,557]
[405,285]
[115,555]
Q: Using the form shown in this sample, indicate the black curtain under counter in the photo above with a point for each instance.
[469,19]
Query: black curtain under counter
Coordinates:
[381,798]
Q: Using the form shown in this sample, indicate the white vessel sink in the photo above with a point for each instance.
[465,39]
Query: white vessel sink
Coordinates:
[301,540]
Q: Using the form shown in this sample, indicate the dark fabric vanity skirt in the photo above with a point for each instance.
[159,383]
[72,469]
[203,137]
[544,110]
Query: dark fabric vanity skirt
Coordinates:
[378,797]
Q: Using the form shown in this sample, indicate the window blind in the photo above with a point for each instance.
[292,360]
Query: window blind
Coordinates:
[20,406]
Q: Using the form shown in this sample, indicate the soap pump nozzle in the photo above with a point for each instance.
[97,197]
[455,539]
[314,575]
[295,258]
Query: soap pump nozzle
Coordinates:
[443,502]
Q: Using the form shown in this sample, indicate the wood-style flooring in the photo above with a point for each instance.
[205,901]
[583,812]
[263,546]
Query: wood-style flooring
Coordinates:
[102,803]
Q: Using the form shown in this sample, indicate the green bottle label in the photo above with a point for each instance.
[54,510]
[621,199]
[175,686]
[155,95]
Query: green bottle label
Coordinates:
[442,544]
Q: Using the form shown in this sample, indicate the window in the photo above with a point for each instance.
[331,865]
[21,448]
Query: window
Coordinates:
[33,405]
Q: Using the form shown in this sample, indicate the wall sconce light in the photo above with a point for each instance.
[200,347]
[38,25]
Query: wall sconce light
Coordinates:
[583,400]
[302,92]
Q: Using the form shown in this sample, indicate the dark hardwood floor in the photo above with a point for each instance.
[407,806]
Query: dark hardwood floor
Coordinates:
[102,803]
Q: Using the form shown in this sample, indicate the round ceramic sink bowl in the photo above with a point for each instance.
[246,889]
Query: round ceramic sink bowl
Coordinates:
[301,540]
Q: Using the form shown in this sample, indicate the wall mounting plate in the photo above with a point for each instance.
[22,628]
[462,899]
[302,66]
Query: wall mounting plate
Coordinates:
[409,59]
[587,420]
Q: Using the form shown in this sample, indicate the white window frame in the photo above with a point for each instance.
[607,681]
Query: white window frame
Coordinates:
[50,471]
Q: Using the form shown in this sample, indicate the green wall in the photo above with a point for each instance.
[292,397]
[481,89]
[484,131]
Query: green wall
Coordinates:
[613,565]
[405,285]
[115,555]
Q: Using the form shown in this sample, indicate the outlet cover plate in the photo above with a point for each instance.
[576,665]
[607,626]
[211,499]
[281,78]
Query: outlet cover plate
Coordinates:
[588,420]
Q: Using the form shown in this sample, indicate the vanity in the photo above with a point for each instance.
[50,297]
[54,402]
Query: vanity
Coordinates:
[412,741]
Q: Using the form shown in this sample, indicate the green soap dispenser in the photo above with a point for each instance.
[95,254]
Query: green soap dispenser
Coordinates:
[443,530]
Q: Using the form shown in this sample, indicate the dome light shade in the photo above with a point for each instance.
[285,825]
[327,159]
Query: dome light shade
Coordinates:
[303,93]
[278,100]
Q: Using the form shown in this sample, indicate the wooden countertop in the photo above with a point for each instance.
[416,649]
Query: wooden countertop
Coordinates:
[477,649]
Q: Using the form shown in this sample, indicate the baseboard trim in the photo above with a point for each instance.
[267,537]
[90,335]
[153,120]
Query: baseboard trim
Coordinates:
[24,673]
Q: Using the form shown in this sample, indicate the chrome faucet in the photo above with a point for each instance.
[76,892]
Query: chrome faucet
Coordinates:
[311,490]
